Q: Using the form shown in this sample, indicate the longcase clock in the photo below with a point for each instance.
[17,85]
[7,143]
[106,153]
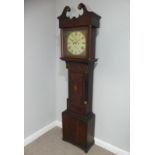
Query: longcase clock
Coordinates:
[78,37]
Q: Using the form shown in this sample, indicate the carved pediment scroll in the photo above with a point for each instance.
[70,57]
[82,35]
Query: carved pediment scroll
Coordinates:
[64,12]
[87,18]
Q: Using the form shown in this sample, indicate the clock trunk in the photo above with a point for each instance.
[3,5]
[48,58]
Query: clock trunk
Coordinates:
[80,85]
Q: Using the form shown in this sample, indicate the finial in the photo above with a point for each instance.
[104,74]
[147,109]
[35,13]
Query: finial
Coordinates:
[82,6]
[66,9]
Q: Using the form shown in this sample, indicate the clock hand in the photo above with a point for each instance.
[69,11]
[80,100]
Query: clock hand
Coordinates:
[72,40]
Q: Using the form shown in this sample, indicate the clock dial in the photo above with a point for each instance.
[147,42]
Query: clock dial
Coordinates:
[76,43]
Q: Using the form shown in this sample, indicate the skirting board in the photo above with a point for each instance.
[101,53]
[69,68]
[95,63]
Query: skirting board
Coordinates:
[110,147]
[98,142]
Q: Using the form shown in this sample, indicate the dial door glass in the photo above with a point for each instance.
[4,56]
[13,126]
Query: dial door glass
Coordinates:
[76,43]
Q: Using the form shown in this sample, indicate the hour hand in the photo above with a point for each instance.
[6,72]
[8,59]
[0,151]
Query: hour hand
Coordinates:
[72,40]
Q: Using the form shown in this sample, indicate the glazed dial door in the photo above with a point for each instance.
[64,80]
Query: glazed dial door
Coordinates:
[74,43]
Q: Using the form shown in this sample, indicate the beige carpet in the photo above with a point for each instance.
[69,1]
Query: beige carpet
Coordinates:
[52,144]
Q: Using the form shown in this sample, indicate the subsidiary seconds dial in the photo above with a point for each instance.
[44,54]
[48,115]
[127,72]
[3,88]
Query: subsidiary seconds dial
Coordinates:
[76,43]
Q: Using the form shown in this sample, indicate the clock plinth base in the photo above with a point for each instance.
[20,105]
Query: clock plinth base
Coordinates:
[78,130]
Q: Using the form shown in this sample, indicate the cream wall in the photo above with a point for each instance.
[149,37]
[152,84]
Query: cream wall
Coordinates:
[111,75]
[39,62]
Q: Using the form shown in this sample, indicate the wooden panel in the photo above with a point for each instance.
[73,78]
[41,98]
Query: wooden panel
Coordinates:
[78,67]
[78,130]
[90,130]
[78,92]
[75,87]
[69,128]
[81,136]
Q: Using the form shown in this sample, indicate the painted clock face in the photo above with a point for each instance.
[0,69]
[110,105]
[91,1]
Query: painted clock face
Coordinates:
[76,43]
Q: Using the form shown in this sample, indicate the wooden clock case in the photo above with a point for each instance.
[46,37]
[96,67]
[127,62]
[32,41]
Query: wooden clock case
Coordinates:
[78,120]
